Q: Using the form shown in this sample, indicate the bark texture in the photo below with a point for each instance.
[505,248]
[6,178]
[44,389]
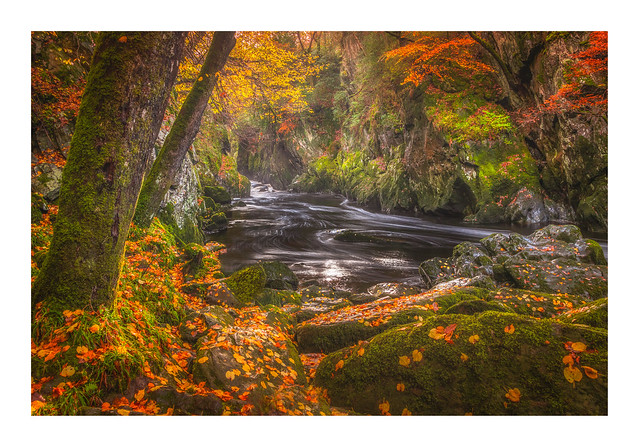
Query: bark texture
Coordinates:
[120,115]
[183,131]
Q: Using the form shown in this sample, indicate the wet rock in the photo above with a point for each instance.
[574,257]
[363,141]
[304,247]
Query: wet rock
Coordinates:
[392,289]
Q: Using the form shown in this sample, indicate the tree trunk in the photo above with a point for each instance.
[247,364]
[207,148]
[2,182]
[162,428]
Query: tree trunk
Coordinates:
[183,131]
[120,115]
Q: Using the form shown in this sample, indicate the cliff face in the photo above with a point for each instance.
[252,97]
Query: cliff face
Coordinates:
[570,148]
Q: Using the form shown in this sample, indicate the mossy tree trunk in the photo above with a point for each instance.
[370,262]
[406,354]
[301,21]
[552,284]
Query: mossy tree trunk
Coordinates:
[122,108]
[183,131]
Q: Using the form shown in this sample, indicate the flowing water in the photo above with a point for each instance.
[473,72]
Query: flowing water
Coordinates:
[299,229]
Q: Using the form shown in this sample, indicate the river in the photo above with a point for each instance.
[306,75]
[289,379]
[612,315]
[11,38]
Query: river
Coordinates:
[299,229]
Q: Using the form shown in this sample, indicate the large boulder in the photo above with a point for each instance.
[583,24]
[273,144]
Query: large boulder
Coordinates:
[248,284]
[492,363]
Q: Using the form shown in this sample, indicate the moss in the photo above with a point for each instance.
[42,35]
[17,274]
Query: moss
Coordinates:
[597,254]
[470,307]
[594,314]
[218,194]
[440,380]
[277,297]
[247,284]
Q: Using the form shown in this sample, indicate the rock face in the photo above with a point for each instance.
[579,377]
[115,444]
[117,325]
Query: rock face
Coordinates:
[571,149]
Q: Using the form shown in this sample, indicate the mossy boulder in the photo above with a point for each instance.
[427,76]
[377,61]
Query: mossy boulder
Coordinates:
[593,314]
[470,307]
[198,322]
[246,284]
[435,270]
[279,276]
[493,363]
[560,276]
[213,222]
[218,194]
[220,293]
[276,297]
[345,326]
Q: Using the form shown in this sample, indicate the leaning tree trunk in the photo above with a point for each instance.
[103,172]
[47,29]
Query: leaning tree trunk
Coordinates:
[120,116]
[183,131]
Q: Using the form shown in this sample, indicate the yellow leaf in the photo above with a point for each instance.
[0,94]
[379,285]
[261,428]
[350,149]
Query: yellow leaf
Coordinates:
[384,407]
[404,360]
[36,405]
[246,368]
[513,395]
[339,365]
[139,395]
[463,357]
[82,349]
[400,387]
[95,328]
[417,356]
[572,374]
[123,412]
[578,347]
[67,371]
[591,372]
[406,412]
[473,339]
[436,334]
[360,351]
[230,375]
[203,360]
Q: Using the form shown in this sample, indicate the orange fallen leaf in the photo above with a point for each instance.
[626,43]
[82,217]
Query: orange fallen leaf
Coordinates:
[384,407]
[230,375]
[123,412]
[360,351]
[513,394]
[82,349]
[404,360]
[95,328]
[473,339]
[437,333]
[578,347]
[463,357]
[417,356]
[122,39]
[509,329]
[339,365]
[139,395]
[36,405]
[591,372]
[400,387]
[406,412]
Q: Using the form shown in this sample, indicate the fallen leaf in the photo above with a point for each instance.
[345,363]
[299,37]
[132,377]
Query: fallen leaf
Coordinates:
[400,387]
[437,333]
[473,339]
[360,351]
[568,360]
[139,395]
[82,349]
[122,39]
[67,371]
[406,412]
[203,360]
[463,357]
[578,347]
[572,374]
[404,360]
[339,365]
[509,329]
[95,328]
[591,372]
[417,356]
[384,407]
[123,412]
[513,394]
